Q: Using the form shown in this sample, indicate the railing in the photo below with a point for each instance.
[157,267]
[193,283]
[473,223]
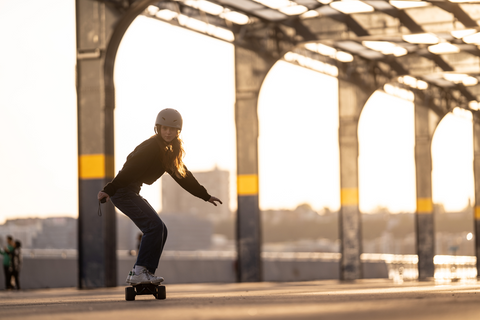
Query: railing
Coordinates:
[447,268]
[400,267]
[455,268]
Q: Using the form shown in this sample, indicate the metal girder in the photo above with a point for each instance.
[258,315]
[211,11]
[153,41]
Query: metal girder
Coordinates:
[367,74]
[476,174]
[181,8]
[406,21]
[270,39]
[385,22]
[273,39]
[301,29]
[438,99]
[119,5]
[372,75]
[251,69]
[351,24]
[457,12]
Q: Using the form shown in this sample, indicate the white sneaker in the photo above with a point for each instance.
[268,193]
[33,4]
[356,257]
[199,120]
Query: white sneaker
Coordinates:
[129,277]
[157,280]
[145,277]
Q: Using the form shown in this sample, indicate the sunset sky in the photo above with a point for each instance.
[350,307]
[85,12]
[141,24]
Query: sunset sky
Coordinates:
[158,66]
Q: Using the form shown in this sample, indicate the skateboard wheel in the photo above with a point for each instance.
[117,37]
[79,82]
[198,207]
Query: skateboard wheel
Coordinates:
[160,293]
[130,293]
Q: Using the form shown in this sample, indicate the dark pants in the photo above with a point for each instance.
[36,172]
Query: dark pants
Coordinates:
[15,274]
[147,220]
[8,277]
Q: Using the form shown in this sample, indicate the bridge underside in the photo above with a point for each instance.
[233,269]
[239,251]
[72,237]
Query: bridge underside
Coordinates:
[365,50]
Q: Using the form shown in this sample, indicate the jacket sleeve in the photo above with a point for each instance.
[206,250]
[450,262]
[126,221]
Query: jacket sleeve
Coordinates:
[191,184]
[138,162]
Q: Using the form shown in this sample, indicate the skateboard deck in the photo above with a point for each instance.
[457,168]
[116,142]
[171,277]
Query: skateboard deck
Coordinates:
[158,291]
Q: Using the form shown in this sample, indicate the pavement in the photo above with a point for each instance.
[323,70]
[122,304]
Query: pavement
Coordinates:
[326,299]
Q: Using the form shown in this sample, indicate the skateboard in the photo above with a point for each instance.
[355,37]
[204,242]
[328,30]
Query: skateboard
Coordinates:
[158,291]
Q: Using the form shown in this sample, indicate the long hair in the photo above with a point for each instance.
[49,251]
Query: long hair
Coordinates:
[173,154]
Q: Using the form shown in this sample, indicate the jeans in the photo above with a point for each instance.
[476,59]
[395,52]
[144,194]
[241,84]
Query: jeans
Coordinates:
[8,277]
[147,220]
[15,274]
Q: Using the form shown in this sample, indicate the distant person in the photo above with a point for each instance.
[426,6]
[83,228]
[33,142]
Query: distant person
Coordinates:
[163,152]
[7,253]
[17,263]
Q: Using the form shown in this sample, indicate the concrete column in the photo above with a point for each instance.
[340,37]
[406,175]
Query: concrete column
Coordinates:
[351,101]
[250,71]
[97,236]
[476,172]
[424,213]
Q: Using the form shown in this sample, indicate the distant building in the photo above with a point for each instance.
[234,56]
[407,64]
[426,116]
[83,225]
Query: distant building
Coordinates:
[57,233]
[24,230]
[176,200]
[49,233]
[127,233]
[187,232]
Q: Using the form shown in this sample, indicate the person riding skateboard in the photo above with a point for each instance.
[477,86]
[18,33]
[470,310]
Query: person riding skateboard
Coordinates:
[163,152]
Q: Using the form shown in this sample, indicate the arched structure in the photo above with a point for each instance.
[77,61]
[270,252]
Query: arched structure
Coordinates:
[366,48]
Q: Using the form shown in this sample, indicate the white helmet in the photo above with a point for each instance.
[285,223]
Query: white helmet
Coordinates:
[169,118]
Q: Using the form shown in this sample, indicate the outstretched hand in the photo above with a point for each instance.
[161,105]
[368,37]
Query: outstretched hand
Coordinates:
[213,199]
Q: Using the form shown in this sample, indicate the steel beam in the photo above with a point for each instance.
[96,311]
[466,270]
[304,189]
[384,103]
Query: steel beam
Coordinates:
[250,71]
[476,172]
[356,83]
[351,102]
[424,128]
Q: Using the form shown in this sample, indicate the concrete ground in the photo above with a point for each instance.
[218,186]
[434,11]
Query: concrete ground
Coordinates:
[326,299]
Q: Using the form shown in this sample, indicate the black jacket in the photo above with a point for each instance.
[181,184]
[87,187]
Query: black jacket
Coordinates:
[144,165]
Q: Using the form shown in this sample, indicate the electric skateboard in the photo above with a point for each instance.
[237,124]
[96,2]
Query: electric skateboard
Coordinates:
[158,291]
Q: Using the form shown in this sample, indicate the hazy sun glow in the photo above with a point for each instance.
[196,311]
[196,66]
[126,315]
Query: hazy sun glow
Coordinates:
[386,154]
[452,152]
[298,143]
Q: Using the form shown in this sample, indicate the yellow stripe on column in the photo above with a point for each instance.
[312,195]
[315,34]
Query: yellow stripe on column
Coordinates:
[247,184]
[349,196]
[477,213]
[424,205]
[95,166]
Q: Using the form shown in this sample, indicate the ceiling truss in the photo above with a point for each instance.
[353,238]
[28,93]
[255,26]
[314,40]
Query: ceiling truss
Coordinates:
[273,32]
